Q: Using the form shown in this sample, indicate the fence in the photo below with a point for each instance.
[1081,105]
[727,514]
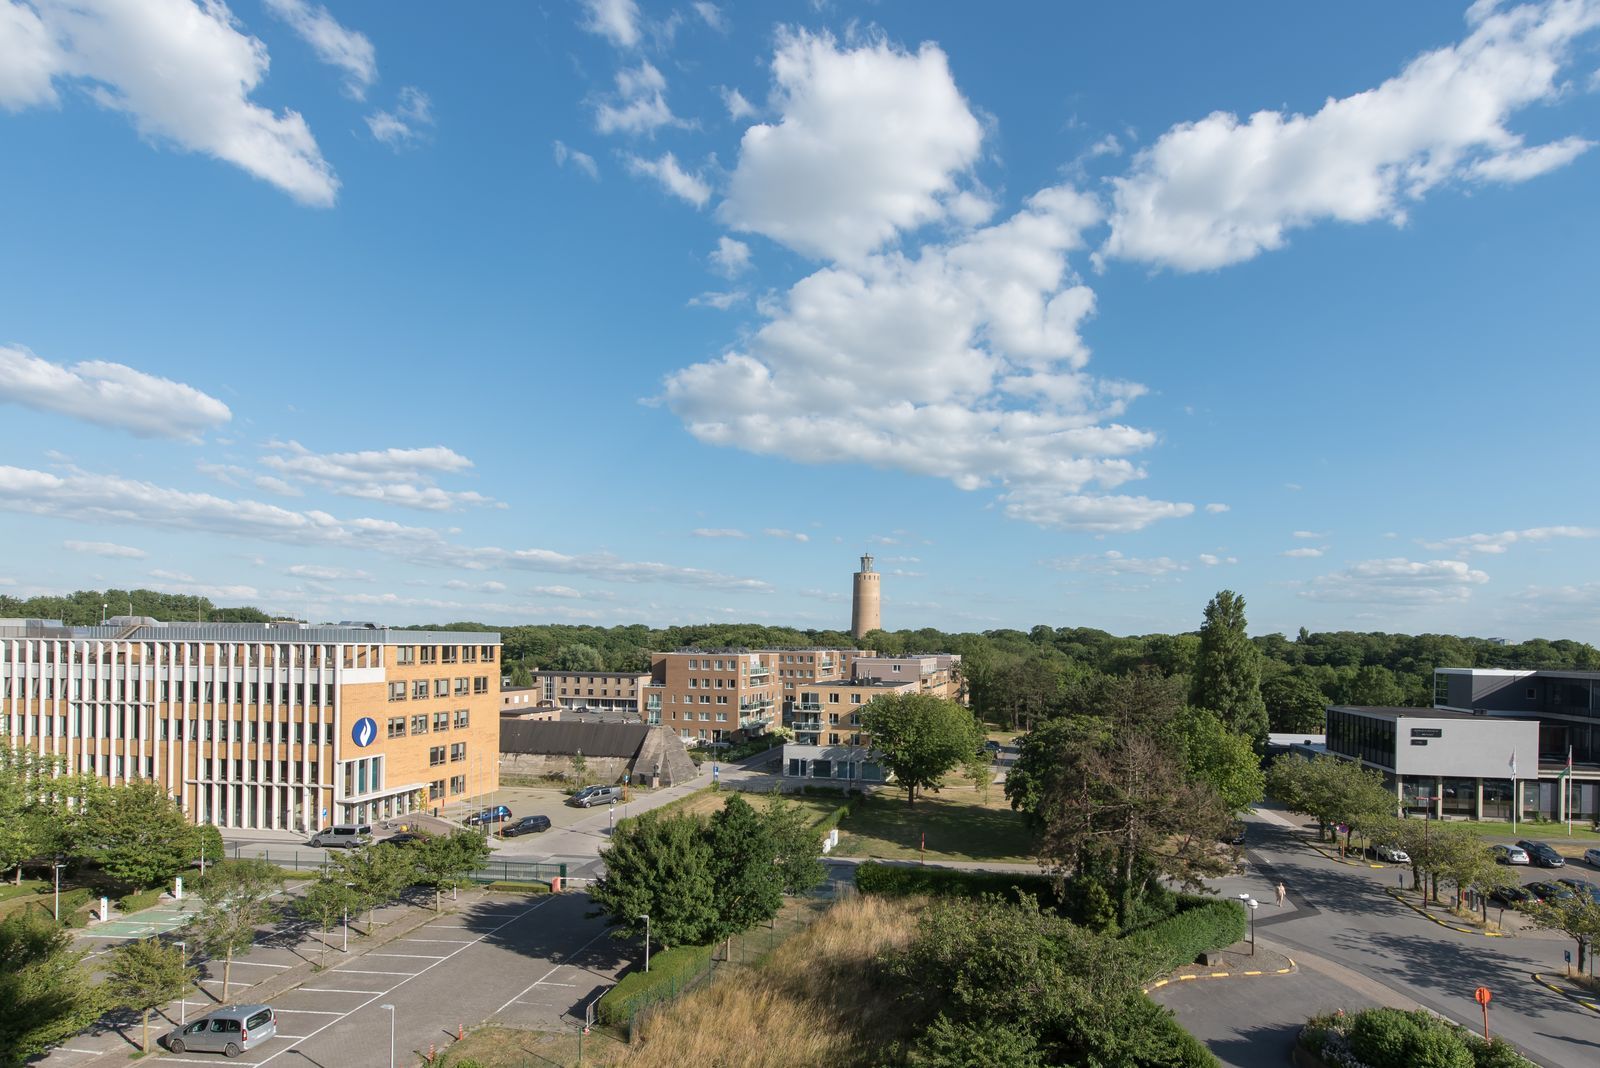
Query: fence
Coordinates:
[509,871]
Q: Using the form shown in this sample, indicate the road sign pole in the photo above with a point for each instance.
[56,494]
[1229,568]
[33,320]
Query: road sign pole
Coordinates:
[1482,996]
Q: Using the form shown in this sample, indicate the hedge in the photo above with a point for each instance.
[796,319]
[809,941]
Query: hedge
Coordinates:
[832,819]
[897,881]
[1181,938]
[137,901]
[1182,1049]
[1385,1038]
[504,887]
[670,970]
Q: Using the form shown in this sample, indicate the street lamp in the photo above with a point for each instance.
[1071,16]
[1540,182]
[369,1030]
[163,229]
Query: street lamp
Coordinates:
[386,1005]
[57,866]
[183,998]
[646,919]
[1251,904]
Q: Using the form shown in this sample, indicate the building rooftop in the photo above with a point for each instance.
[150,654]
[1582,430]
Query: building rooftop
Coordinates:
[1379,712]
[143,628]
[591,671]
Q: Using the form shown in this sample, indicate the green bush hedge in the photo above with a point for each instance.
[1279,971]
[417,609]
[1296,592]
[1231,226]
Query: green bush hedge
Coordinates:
[1182,1049]
[504,887]
[142,900]
[832,819]
[669,971]
[1392,1038]
[893,880]
[1193,930]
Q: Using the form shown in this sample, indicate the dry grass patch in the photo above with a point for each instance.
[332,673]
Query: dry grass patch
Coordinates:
[813,1001]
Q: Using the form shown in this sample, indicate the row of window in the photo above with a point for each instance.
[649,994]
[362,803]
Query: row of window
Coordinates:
[421,690]
[458,785]
[442,721]
[833,698]
[143,691]
[83,723]
[722,717]
[604,692]
[458,753]
[443,654]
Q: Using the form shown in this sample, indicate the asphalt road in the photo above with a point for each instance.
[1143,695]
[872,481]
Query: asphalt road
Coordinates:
[1342,914]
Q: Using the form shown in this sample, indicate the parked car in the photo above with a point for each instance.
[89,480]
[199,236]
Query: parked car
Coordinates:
[1542,854]
[526,825]
[229,1031]
[1548,892]
[1510,897]
[403,838]
[343,836]
[1236,834]
[1508,854]
[992,746]
[1591,857]
[1393,854]
[591,796]
[492,814]
[1583,888]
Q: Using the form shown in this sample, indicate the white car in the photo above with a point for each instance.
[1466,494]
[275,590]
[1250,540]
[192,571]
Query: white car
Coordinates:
[1591,857]
[1509,854]
[1392,854]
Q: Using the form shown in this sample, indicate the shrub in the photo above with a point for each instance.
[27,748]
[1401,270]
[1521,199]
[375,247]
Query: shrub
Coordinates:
[1496,1053]
[1179,1049]
[833,819]
[142,900]
[1390,1038]
[504,887]
[897,881]
[670,970]
[1181,938]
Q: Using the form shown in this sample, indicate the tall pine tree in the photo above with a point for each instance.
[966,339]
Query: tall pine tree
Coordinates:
[1227,670]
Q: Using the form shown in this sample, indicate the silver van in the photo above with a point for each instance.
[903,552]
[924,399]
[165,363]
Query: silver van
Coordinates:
[229,1031]
[343,836]
[599,795]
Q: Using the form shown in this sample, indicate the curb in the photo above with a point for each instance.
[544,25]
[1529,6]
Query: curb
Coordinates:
[1585,1002]
[1429,916]
[1159,983]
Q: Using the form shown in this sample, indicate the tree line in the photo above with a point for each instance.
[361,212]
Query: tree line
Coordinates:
[86,607]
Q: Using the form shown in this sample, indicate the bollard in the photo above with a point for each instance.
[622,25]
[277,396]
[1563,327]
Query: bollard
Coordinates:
[177,888]
[461,1032]
[430,1052]
[105,910]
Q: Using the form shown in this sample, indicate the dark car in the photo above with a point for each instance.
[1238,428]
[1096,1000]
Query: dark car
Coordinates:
[992,746]
[404,838]
[1510,897]
[1548,892]
[1542,855]
[492,814]
[1236,834]
[1583,888]
[527,825]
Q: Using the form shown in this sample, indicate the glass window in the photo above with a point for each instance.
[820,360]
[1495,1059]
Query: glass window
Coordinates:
[441,721]
[461,718]
[419,724]
[436,756]
[397,727]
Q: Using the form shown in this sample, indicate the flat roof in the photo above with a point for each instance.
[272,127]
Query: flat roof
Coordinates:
[144,629]
[1382,712]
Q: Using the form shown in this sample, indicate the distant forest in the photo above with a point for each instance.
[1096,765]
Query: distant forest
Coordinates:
[1014,676]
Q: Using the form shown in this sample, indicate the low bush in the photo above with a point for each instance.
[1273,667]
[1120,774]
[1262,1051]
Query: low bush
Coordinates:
[670,970]
[137,902]
[1181,1049]
[1391,1038]
[896,881]
[1193,930]
[832,819]
[504,887]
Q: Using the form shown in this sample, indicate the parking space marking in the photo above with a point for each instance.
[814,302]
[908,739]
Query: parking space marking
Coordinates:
[551,972]
[365,971]
[409,956]
[260,964]
[376,994]
[337,990]
[308,1012]
[452,941]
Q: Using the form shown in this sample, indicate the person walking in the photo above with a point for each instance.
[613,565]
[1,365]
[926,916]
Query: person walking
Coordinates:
[1283,893]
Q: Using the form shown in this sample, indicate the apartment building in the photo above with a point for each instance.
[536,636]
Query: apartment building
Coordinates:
[707,695]
[935,673]
[602,691]
[265,726]
[796,668]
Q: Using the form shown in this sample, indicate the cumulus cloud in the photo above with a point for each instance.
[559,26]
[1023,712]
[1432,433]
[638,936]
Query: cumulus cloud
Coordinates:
[565,592]
[407,123]
[639,105]
[1112,562]
[88,497]
[327,574]
[1216,509]
[718,532]
[731,258]
[792,535]
[1399,582]
[870,141]
[581,161]
[738,107]
[1311,535]
[1467,544]
[183,72]
[403,477]
[346,49]
[721,300]
[108,549]
[673,178]
[1212,559]
[1223,189]
[615,20]
[110,395]
[711,15]
[1305,552]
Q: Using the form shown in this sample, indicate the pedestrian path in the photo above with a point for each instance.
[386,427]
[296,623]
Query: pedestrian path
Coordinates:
[159,919]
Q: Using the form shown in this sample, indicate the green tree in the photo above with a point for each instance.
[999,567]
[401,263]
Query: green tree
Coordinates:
[660,867]
[28,822]
[920,738]
[145,973]
[236,900]
[1227,669]
[796,844]
[1223,758]
[577,657]
[138,834]
[1578,917]
[521,677]
[580,768]
[375,875]
[1294,703]
[1374,686]
[46,994]
[445,861]
[1329,790]
[326,901]
[744,871]
[1034,773]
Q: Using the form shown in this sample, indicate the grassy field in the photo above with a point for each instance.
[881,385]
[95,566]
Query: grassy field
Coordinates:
[9,890]
[958,823]
[705,802]
[1554,834]
[502,1047]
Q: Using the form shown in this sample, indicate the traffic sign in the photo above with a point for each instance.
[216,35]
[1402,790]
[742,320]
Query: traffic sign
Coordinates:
[1482,995]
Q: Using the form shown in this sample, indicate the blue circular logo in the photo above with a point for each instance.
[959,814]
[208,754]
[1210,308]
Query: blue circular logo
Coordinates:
[365,732]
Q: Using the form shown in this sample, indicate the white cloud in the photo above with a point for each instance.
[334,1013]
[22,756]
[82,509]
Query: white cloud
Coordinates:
[335,45]
[182,72]
[1399,582]
[1498,543]
[107,549]
[83,496]
[720,300]
[1112,562]
[402,477]
[1312,535]
[1222,190]
[580,160]
[738,107]
[673,178]
[615,20]
[792,535]
[962,363]
[273,484]
[407,123]
[870,142]
[639,105]
[565,592]
[731,258]
[110,395]
[718,532]
[1305,552]
[326,573]
[1212,559]
[1216,509]
[178,582]
[711,15]
[476,587]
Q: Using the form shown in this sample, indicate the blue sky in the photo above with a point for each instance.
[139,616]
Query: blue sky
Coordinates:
[635,312]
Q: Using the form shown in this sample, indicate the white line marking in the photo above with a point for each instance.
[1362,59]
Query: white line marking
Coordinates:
[376,994]
[95,1052]
[308,1012]
[260,964]
[411,956]
[552,971]
[337,990]
[364,971]
[453,941]
[543,983]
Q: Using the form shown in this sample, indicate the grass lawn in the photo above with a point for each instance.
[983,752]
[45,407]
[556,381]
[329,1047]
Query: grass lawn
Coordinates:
[503,1047]
[9,890]
[706,802]
[957,822]
[1543,831]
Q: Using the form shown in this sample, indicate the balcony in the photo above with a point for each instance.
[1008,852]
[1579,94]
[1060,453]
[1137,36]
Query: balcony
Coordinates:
[759,673]
[747,722]
[807,724]
[807,706]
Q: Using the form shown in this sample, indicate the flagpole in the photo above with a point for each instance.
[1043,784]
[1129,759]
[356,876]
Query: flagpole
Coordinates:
[1566,791]
[1516,802]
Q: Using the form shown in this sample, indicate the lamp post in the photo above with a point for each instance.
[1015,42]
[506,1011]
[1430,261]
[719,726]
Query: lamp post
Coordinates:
[646,919]
[1251,904]
[56,870]
[386,1005]
[183,998]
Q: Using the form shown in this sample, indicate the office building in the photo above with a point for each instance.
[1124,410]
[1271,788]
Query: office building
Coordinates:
[593,691]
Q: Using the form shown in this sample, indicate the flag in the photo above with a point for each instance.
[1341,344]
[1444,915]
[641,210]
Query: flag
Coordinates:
[1566,772]
[1513,763]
